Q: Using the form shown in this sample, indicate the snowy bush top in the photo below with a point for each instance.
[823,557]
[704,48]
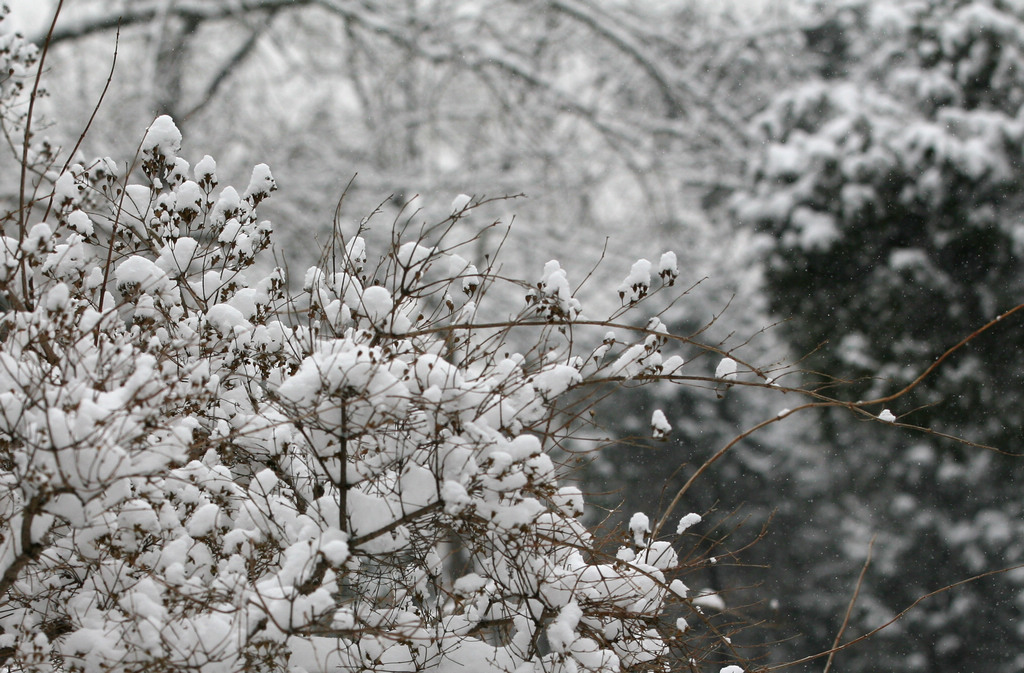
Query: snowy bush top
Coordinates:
[203,470]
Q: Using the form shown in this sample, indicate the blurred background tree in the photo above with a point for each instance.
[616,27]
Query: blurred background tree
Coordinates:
[889,192]
[614,116]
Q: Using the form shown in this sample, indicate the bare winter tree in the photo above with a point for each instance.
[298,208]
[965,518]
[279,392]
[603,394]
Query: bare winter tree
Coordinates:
[602,114]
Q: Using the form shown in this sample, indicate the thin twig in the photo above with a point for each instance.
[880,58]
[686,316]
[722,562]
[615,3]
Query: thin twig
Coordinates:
[26,143]
[902,613]
[92,117]
[99,101]
[942,358]
[849,608]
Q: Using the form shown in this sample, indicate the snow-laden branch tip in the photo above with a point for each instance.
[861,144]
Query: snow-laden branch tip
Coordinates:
[660,426]
[726,369]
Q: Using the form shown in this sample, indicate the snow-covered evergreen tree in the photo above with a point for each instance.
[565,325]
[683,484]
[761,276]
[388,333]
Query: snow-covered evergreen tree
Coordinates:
[892,200]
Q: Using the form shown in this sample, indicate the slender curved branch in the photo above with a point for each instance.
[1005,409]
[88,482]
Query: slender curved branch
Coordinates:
[902,613]
[143,12]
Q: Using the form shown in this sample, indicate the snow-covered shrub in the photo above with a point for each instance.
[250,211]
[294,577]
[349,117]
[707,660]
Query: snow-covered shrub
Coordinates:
[202,469]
